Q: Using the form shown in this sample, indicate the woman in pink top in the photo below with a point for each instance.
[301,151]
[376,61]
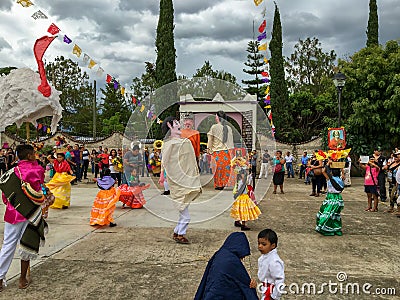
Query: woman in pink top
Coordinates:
[370,183]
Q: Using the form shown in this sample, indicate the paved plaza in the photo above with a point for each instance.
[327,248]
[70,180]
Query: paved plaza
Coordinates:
[139,260]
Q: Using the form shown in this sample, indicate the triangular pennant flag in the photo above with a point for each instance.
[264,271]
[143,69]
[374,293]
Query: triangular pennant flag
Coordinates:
[264,12]
[53,29]
[267,102]
[44,128]
[268,97]
[149,114]
[266,60]
[99,72]
[153,117]
[77,51]
[265,74]
[262,47]
[25,3]
[48,130]
[258,2]
[122,91]
[269,114]
[267,90]
[262,36]
[109,78]
[159,121]
[262,26]
[39,126]
[86,58]
[266,80]
[142,108]
[267,106]
[39,15]
[67,40]
[116,85]
[92,63]
[134,100]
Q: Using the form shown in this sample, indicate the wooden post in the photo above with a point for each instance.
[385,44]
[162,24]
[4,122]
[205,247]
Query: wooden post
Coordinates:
[28,134]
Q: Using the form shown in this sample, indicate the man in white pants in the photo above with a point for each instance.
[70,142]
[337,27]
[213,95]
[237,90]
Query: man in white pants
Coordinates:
[180,165]
[264,164]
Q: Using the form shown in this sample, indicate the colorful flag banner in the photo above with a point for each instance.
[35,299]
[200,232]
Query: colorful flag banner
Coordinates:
[268,97]
[266,80]
[92,63]
[267,90]
[116,85]
[159,121]
[258,2]
[44,128]
[134,100]
[67,40]
[142,108]
[149,114]
[39,126]
[262,27]
[153,117]
[109,78]
[267,106]
[266,60]
[262,47]
[265,74]
[39,15]
[77,51]
[122,90]
[86,58]
[262,36]
[269,114]
[99,72]
[25,3]
[267,102]
[53,29]
[48,130]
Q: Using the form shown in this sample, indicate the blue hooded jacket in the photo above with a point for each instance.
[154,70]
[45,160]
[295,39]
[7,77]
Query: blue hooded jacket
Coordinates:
[225,276]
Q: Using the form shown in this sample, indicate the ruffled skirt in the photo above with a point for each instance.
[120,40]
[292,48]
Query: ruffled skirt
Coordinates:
[132,196]
[244,209]
[104,207]
[329,221]
[60,186]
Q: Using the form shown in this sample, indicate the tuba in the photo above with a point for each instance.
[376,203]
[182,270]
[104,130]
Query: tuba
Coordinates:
[158,144]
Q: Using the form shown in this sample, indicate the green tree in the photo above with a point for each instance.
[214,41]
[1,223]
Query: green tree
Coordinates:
[114,103]
[166,53]
[145,84]
[6,70]
[373,25]
[279,92]
[371,97]
[309,68]
[255,63]
[113,124]
[77,95]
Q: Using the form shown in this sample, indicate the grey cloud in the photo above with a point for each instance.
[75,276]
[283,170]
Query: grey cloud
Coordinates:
[181,6]
[5,4]
[4,44]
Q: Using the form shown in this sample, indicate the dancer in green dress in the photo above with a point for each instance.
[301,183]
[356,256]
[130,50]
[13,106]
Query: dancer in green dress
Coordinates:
[329,221]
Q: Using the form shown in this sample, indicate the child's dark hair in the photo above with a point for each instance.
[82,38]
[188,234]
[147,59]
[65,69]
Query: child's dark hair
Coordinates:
[61,154]
[164,126]
[23,151]
[105,172]
[269,235]
[336,172]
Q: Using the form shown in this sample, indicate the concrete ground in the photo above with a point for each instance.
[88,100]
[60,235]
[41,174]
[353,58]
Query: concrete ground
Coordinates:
[139,260]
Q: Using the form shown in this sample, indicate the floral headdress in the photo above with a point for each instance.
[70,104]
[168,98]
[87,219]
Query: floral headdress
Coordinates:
[239,164]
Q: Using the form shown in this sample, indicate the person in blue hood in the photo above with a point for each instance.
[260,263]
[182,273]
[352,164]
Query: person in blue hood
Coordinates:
[225,276]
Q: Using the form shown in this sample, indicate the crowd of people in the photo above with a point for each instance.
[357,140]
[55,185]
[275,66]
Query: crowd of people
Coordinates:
[118,174]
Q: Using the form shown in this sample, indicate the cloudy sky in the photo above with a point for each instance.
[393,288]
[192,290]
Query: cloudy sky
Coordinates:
[120,35]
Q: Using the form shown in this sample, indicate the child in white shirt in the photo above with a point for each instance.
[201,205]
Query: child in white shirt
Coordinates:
[270,266]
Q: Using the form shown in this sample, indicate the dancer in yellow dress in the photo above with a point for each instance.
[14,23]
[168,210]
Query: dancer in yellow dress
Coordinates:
[60,184]
[243,209]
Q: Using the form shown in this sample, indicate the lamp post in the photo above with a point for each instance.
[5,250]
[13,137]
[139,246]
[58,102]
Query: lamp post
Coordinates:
[339,80]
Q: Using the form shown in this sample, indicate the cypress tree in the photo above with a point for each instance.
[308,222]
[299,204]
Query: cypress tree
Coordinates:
[166,53]
[373,24]
[255,62]
[279,92]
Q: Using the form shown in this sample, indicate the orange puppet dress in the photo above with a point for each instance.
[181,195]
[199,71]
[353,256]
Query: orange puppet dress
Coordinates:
[194,137]
[60,184]
[105,202]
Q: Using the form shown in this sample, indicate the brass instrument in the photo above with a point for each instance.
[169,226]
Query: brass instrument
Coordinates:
[158,144]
